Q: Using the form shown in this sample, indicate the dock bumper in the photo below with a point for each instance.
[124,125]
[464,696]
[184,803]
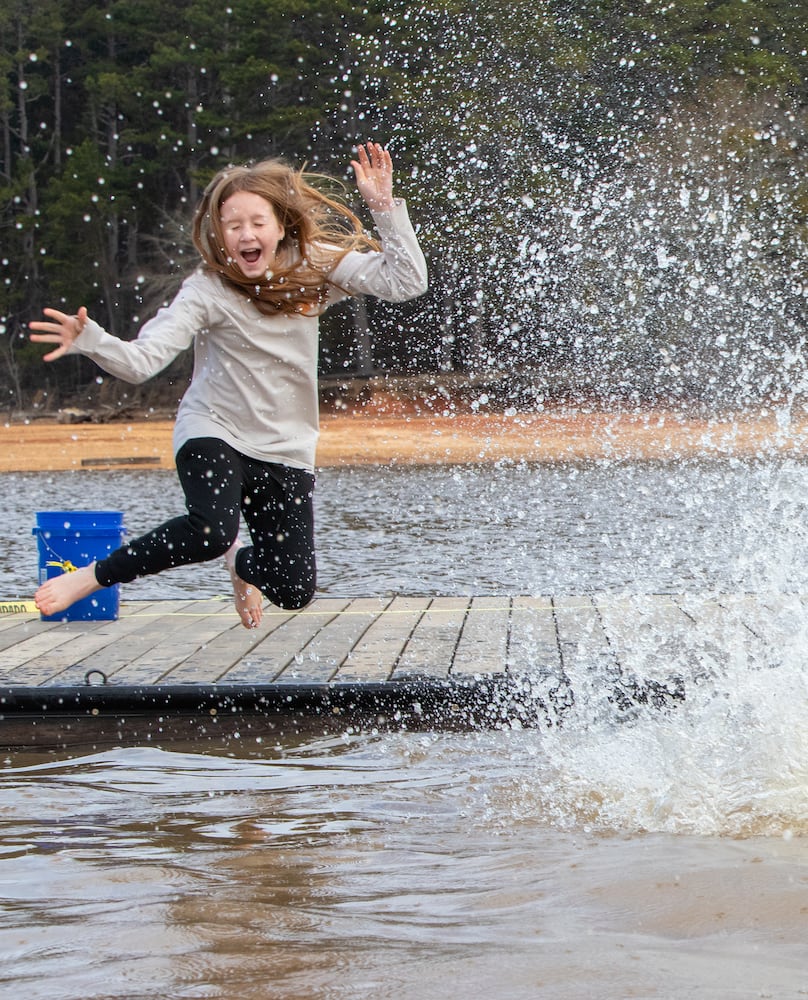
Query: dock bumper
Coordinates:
[61,715]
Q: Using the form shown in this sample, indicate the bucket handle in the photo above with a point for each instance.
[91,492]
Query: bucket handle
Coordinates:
[64,564]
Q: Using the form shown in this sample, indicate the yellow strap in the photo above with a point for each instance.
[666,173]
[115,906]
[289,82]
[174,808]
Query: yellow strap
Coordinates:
[15,607]
[67,566]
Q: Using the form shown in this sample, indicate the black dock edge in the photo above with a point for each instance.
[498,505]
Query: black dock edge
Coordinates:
[59,716]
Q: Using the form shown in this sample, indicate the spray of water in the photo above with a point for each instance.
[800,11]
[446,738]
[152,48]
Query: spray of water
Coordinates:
[725,753]
[617,233]
[607,219]
[730,762]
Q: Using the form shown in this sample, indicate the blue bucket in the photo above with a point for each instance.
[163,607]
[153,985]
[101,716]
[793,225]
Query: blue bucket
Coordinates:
[70,539]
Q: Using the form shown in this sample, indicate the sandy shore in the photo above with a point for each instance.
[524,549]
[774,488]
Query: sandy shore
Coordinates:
[361,439]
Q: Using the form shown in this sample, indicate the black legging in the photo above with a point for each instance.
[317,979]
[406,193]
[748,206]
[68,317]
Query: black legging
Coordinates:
[221,484]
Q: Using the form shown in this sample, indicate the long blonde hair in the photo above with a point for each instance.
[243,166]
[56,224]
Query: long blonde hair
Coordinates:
[318,231]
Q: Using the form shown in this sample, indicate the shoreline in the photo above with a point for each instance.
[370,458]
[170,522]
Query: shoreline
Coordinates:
[465,438]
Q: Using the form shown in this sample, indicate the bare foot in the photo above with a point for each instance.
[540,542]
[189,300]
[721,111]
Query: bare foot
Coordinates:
[248,598]
[58,593]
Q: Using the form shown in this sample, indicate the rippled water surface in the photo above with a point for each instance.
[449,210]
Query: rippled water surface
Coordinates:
[503,865]
[640,528]
[664,856]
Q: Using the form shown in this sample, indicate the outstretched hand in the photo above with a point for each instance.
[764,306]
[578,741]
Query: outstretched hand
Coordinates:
[62,331]
[373,169]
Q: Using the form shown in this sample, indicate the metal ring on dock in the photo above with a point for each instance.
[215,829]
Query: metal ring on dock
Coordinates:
[90,673]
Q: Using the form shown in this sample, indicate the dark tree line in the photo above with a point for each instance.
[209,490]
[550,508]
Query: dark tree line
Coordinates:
[565,163]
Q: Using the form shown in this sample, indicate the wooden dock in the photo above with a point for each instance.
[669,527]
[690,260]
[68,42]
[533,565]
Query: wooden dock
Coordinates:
[174,668]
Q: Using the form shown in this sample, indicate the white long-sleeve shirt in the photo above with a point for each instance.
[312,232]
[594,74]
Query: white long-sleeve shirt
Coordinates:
[254,383]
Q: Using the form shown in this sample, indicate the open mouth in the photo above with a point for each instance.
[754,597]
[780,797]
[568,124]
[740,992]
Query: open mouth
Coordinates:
[250,256]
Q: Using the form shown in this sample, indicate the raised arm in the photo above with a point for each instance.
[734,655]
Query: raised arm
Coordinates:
[398,272]
[373,169]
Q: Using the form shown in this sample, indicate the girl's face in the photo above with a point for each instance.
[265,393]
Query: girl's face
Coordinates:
[251,233]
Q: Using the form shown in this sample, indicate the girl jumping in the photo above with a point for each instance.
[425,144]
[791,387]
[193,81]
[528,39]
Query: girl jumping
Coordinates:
[276,252]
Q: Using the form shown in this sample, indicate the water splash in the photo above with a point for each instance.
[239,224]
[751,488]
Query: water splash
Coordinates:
[604,224]
[729,759]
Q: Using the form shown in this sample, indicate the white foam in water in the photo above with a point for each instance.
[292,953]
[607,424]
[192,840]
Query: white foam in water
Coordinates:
[731,760]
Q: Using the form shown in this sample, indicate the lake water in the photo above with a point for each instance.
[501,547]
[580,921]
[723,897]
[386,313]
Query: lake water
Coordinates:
[661,857]
[524,529]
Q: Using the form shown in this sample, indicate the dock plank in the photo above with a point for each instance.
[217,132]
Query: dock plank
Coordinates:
[331,647]
[719,640]
[30,662]
[755,636]
[779,621]
[533,643]
[286,644]
[581,634]
[34,646]
[376,656]
[588,661]
[224,651]
[21,620]
[482,647]
[19,628]
[430,649]
[648,634]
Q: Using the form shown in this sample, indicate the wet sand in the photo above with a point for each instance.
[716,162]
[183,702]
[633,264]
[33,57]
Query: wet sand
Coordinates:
[373,438]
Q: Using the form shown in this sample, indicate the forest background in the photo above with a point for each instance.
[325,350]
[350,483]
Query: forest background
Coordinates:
[612,196]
